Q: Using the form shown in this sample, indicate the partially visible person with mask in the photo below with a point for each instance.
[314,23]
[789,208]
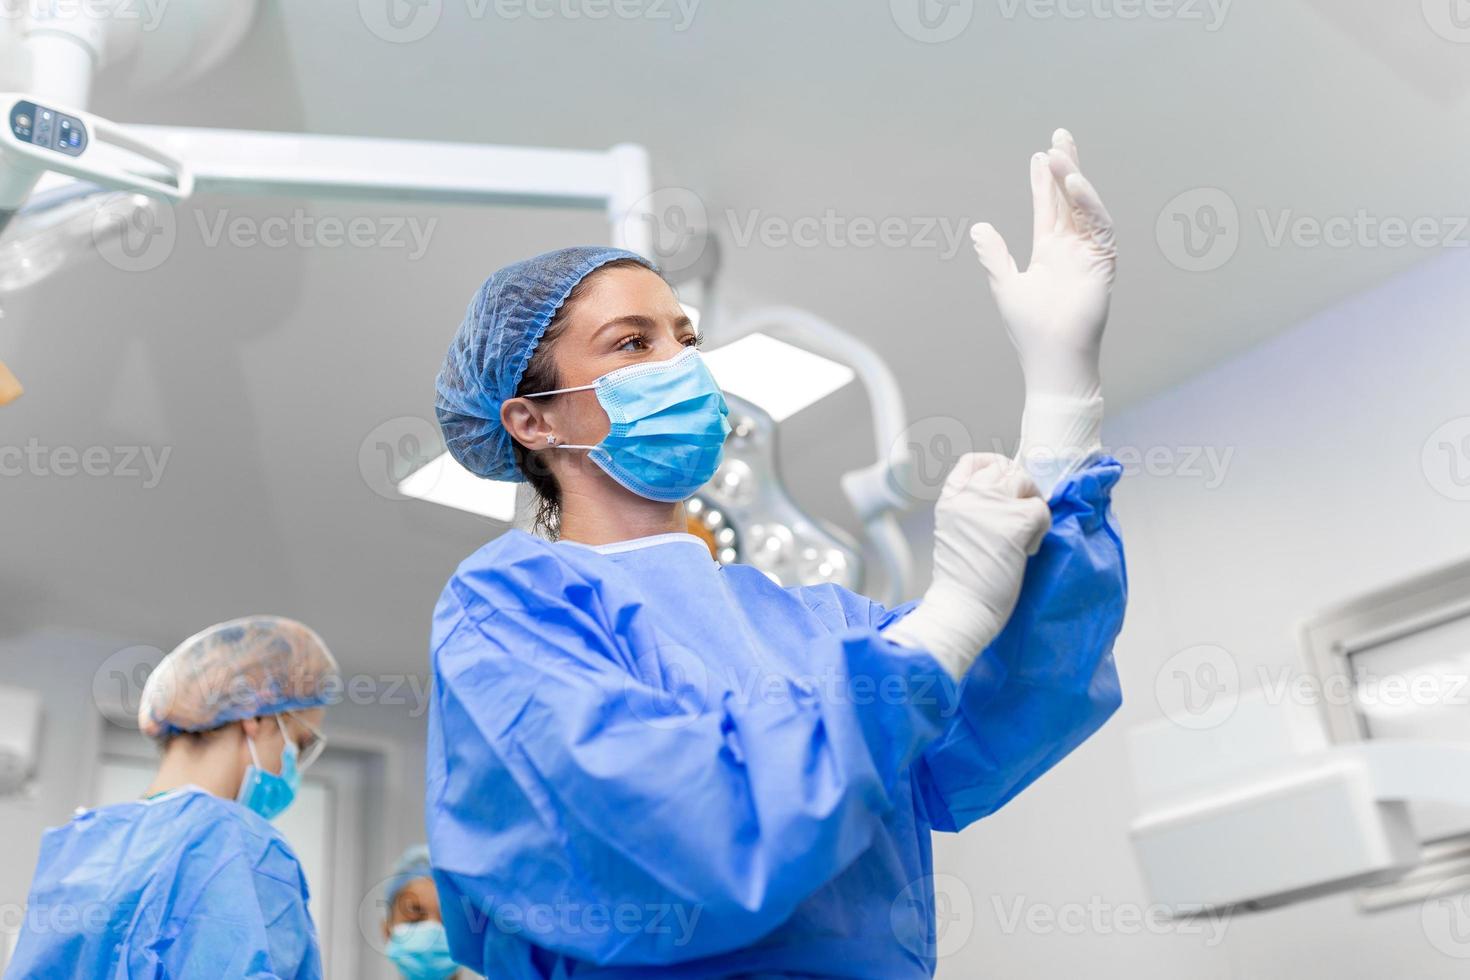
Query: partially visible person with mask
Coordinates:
[413,927]
[193,880]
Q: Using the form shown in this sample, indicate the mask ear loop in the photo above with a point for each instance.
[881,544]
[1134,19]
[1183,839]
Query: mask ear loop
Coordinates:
[287,736]
[254,759]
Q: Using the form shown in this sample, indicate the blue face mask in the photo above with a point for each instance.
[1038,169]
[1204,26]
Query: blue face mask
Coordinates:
[668,426]
[265,792]
[420,950]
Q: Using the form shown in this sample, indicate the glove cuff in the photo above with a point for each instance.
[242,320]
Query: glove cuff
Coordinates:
[1060,435]
[953,625]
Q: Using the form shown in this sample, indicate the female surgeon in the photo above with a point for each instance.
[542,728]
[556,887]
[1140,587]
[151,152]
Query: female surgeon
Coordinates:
[642,764]
[192,880]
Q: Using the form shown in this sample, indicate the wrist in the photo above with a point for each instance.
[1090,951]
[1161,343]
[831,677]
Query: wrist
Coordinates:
[1059,436]
[1063,371]
[953,625]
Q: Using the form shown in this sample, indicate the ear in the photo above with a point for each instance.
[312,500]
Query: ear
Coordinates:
[526,422]
[251,727]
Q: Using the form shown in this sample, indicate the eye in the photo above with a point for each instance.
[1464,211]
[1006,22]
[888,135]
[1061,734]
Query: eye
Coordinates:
[694,340]
[635,339]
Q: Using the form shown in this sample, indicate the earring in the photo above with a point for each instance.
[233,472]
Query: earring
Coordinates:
[551,440]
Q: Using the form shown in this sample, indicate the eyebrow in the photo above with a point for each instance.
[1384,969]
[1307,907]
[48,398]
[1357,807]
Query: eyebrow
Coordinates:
[638,320]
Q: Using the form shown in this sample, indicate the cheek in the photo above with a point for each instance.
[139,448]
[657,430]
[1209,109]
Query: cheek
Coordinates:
[270,754]
[585,421]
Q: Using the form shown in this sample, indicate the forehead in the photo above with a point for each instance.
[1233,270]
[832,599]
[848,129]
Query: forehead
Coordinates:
[623,291]
[418,892]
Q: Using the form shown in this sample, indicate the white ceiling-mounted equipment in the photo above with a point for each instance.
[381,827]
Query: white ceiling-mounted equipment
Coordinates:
[61,167]
[41,136]
[48,130]
[1352,775]
[137,46]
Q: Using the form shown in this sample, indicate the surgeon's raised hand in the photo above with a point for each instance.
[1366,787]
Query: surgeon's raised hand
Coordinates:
[989,519]
[1055,311]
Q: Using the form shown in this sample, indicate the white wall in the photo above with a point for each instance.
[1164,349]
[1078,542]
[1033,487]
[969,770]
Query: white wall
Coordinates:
[72,670]
[1326,496]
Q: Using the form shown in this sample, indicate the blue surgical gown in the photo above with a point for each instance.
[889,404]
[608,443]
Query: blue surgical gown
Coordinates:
[186,885]
[644,765]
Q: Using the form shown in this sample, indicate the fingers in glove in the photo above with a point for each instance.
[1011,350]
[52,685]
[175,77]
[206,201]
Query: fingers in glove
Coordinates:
[1018,483]
[1062,167]
[1044,201]
[1091,215]
[993,253]
[965,469]
[1062,140]
[1038,515]
[1002,475]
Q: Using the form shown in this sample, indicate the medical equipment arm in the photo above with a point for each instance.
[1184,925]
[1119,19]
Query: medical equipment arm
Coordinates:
[1048,681]
[988,520]
[1055,312]
[571,766]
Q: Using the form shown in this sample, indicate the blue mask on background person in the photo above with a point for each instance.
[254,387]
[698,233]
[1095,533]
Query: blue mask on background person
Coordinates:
[265,792]
[420,950]
[668,426]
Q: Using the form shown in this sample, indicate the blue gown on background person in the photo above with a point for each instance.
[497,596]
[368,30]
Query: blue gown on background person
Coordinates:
[642,764]
[184,885]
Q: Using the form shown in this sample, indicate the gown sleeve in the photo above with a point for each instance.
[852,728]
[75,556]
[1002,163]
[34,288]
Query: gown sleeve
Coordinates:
[1048,681]
[587,800]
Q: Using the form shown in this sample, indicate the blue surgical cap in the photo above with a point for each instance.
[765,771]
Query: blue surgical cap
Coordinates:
[504,323]
[413,864]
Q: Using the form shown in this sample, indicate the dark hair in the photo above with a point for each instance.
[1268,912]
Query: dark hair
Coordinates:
[541,375]
[196,739]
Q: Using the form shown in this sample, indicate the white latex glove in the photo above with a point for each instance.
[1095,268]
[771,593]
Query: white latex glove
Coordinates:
[1056,310]
[989,519]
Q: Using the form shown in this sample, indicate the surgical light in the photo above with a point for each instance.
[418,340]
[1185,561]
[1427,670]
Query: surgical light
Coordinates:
[780,378]
[443,481]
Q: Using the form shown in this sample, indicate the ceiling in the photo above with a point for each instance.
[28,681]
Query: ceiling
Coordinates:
[274,377]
